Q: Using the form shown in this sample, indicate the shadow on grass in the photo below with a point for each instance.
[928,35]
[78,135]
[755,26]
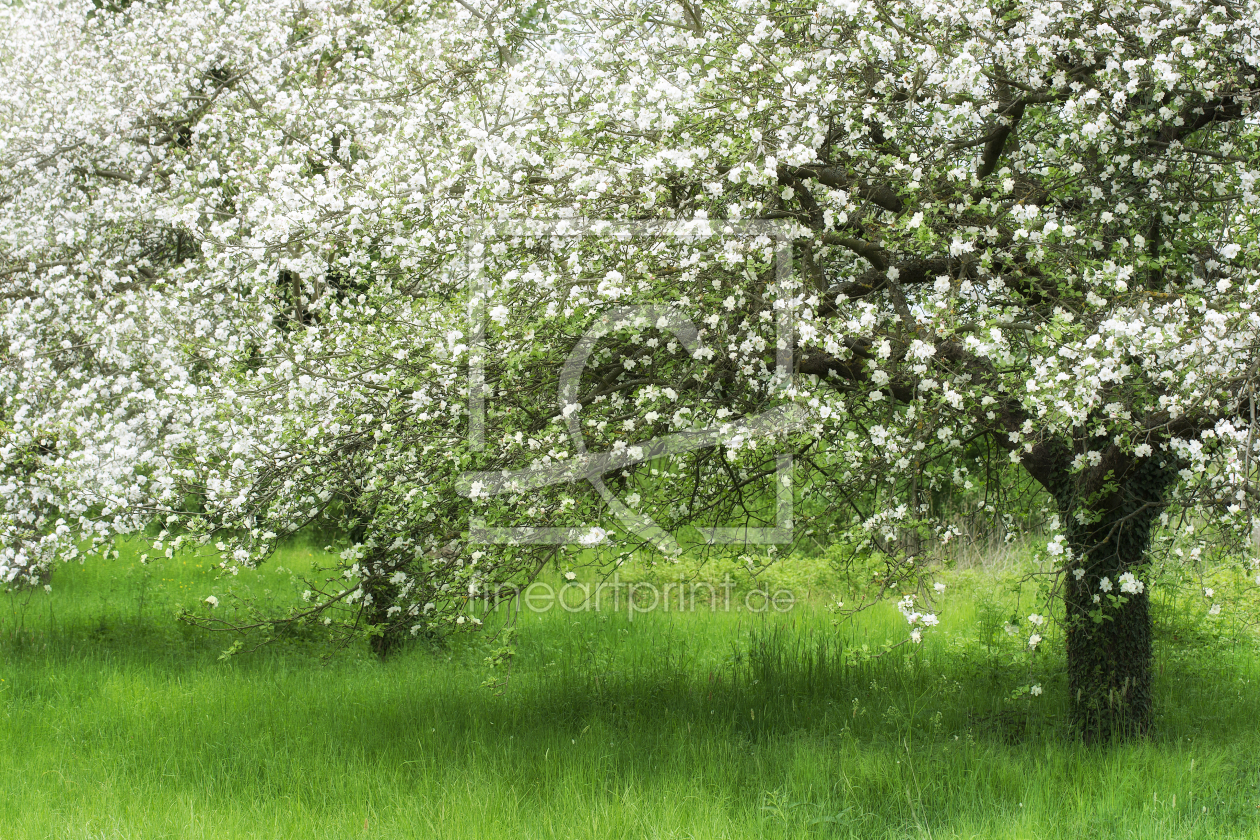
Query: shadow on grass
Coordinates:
[757,682]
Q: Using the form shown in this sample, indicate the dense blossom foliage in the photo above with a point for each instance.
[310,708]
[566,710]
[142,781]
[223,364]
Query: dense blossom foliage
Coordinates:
[240,240]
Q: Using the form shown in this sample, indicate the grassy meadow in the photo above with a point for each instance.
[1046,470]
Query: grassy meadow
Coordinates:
[119,722]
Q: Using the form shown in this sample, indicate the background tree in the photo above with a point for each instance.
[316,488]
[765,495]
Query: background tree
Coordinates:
[90,343]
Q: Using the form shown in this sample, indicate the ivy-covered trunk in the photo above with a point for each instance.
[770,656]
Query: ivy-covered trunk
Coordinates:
[1109,648]
[379,593]
[1109,652]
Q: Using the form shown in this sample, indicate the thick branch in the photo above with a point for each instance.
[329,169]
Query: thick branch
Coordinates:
[1194,117]
[913,271]
[995,143]
[873,253]
[879,194]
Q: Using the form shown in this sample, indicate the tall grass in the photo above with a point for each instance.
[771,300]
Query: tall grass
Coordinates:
[119,722]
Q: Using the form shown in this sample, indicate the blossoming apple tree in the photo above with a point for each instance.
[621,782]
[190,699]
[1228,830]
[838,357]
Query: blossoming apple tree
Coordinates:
[1026,226]
[88,365]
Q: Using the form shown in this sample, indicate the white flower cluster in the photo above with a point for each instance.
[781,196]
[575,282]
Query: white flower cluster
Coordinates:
[915,618]
[1130,585]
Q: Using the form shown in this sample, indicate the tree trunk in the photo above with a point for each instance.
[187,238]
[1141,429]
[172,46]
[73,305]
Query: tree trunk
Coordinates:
[378,595]
[1109,652]
[1109,662]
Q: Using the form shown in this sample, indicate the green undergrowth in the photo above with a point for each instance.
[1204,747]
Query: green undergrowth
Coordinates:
[705,723]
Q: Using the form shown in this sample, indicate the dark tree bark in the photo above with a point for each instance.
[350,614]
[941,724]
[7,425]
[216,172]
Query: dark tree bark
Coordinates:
[1109,649]
[378,595]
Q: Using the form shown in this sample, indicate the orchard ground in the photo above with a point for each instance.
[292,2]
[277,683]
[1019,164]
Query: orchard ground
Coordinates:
[705,723]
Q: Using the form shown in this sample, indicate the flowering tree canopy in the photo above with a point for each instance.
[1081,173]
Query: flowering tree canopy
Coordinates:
[259,256]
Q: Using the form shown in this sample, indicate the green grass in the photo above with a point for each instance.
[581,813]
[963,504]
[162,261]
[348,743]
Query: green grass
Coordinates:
[119,722]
